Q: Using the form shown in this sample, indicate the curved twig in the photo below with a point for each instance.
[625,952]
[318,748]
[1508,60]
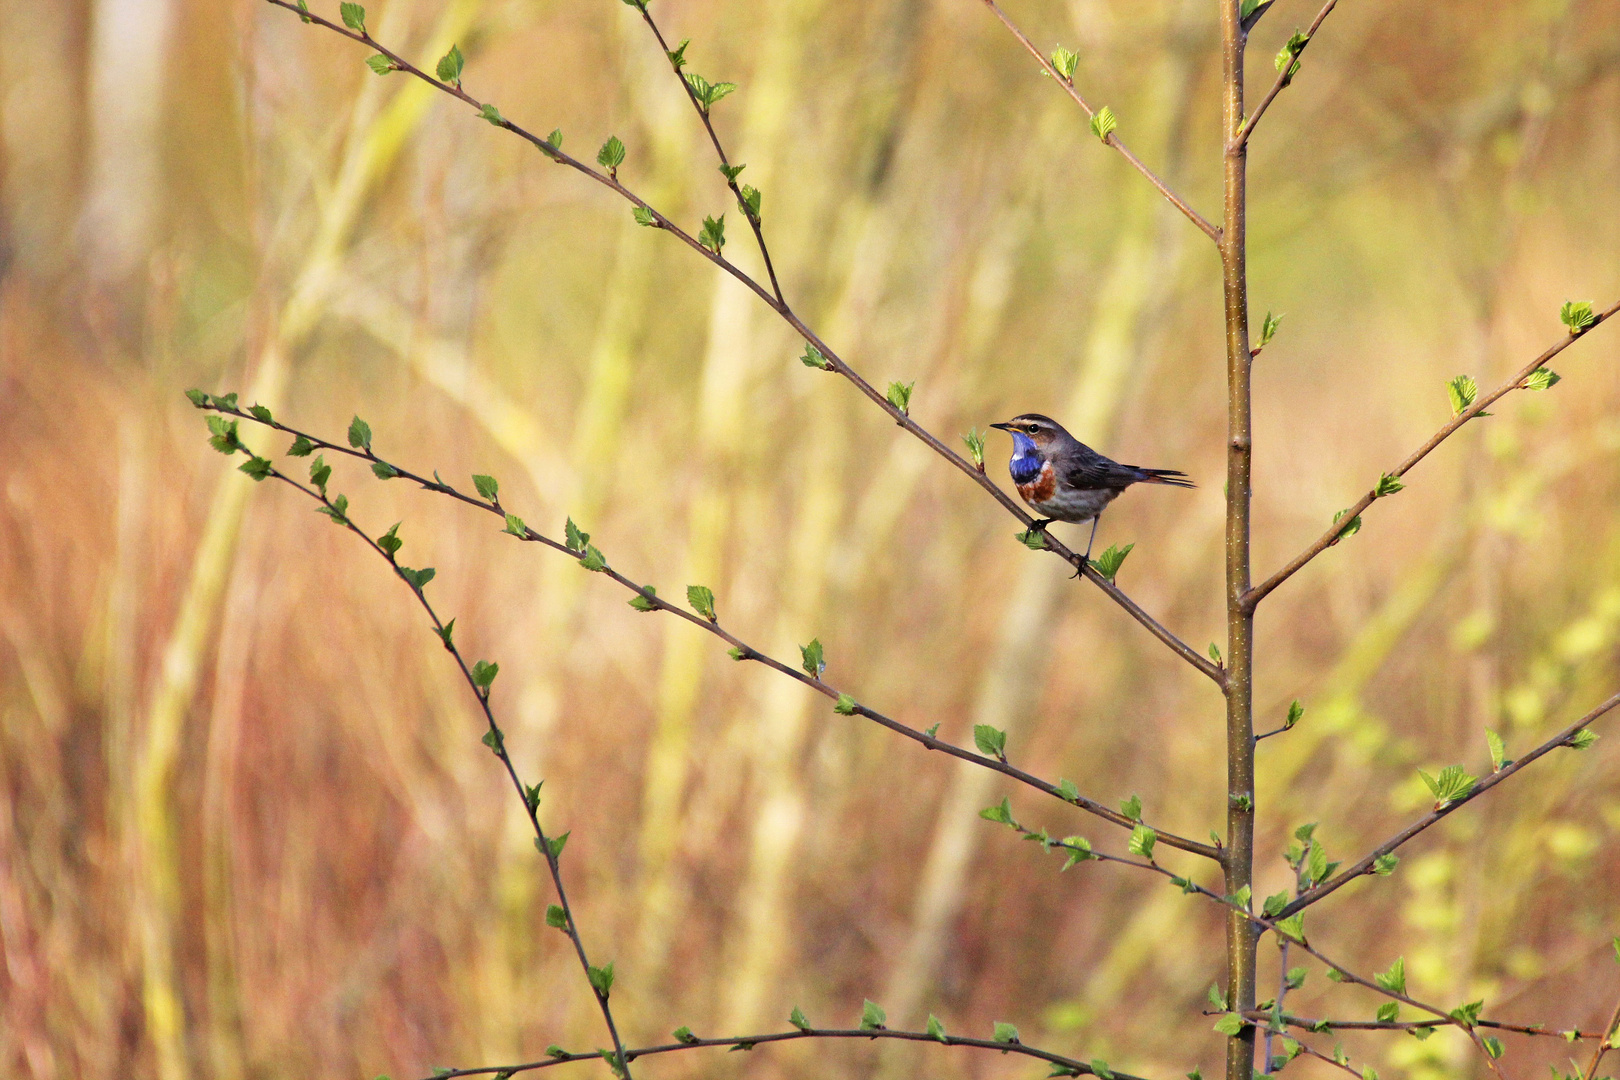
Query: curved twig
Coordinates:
[1284,78]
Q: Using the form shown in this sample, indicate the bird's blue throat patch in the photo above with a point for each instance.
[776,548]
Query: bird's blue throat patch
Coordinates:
[1026,460]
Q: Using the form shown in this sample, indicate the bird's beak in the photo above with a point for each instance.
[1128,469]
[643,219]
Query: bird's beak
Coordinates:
[1003,427]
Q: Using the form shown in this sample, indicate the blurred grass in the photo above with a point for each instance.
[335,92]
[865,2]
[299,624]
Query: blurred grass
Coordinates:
[248,830]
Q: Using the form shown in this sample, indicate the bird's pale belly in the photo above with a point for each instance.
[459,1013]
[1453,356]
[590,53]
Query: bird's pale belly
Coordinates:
[1074,505]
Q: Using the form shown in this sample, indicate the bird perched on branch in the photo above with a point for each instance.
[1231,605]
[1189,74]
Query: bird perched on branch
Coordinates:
[1063,479]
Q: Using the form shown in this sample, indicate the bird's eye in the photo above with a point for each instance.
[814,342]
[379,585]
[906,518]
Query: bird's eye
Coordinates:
[1033,428]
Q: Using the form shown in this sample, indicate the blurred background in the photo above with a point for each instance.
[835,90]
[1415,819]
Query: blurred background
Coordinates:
[248,830]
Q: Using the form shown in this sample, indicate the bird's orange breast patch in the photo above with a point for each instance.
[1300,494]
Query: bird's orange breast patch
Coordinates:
[1042,488]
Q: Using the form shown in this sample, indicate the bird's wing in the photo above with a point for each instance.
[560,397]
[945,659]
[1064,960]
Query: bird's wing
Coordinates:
[1083,467]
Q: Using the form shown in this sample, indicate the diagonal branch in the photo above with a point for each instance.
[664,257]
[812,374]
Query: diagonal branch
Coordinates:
[831,360]
[1110,139]
[1337,530]
[1365,865]
[1605,1043]
[1305,1023]
[550,848]
[1068,1066]
[741,650]
[1284,77]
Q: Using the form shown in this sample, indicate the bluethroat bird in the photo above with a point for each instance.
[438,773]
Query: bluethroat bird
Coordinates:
[1063,479]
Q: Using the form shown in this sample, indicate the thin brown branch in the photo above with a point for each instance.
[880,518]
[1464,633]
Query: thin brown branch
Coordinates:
[720,152]
[1312,1051]
[748,1042]
[1284,78]
[745,651]
[834,361]
[1332,536]
[1365,865]
[1112,139]
[1604,1044]
[496,740]
[1305,1023]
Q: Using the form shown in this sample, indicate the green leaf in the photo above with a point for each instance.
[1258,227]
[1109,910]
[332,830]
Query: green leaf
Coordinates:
[303,11]
[872,1016]
[261,414]
[1034,539]
[1079,849]
[380,64]
[555,138]
[301,447]
[1196,1074]
[592,559]
[601,978]
[796,1017]
[257,467]
[932,732]
[1316,864]
[1268,329]
[1420,1033]
[750,201]
[975,446]
[644,216]
[417,578]
[1467,1015]
[1001,813]
[1369,1073]
[1068,789]
[494,740]
[531,795]
[445,633]
[1132,808]
[1293,926]
[1582,739]
[390,541]
[1274,903]
[1462,390]
[731,172]
[449,68]
[1287,60]
[338,511]
[1542,379]
[677,55]
[573,539]
[556,1051]
[702,600]
[1064,62]
[1387,485]
[1142,841]
[1230,1024]
[736,653]
[935,1028]
[359,434]
[713,233]
[1577,315]
[1296,977]
[1385,865]
[1498,750]
[224,437]
[383,471]
[515,526]
[1217,996]
[611,156]
[1215,652]
[1493,1046]
[226,401]
[487,486]
[1349,530]
[493,115]
[643,601]
[353,15]
[1452,784]
[484,673]
[1388,1011]
[1295,712]
[1100,1069]
[1240,802]
[1240,898]
[1103,123]
[1005,1033]
[813,358]
[813,662]
[683,1034]
[845,705]
[991,741]
[1109,562]
[899,396]
[555,845]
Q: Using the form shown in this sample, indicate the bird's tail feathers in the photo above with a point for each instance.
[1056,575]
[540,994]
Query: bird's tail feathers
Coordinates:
[1173,477]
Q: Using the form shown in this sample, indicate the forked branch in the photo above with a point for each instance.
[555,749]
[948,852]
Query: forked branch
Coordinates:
[1285,76]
